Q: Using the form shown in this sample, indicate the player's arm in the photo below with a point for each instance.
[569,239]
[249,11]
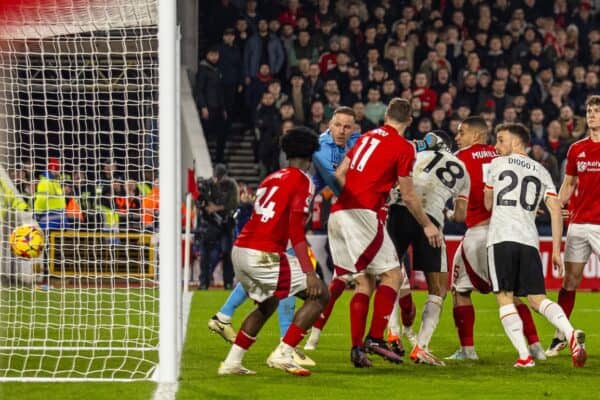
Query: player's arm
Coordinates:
[341,171]
[488,197]
[413,203]
[325,175]
[566,189]
[459,213]
[554,208]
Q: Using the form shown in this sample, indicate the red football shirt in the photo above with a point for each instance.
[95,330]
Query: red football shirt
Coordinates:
[477,159]
[279,194]
[583,161]
[377,159]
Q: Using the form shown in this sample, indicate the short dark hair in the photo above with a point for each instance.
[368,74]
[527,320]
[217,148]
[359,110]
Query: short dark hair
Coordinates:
[300,142]
[399,110]
[344,110]
[477,122]
[593,100]
[516,129]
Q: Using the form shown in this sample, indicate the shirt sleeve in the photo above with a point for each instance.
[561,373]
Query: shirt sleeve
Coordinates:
[325,172]
[571,167]
[492,174]
[465,189]
[549,188]
[303,192]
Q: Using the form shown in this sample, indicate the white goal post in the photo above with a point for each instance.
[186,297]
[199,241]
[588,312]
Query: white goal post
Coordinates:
[89,130]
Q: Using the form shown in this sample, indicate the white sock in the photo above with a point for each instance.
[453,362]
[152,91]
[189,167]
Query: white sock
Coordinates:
[235,356]
[513,326]
[315,335]
[431,317]
[285,349]
[556,316]
[224,318]
[393,321]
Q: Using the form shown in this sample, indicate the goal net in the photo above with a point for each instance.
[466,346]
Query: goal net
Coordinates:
[79,147]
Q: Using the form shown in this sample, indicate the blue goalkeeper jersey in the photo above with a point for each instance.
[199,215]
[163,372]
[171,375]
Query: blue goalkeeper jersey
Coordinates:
[327,159]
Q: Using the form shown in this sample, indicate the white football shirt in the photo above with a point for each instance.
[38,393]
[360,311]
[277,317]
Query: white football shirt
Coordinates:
[438,176]
[519,185]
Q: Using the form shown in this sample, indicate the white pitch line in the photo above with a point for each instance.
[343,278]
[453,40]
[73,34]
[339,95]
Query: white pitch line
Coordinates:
[168,391]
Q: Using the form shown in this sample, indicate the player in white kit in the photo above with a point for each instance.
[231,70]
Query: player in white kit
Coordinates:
[438,176]
[515,187]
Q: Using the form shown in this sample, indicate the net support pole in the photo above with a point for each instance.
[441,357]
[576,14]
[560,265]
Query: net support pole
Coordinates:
[168,242]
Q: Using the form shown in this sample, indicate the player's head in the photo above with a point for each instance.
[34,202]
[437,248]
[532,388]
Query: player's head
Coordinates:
[446,140]
[512,138]
[592,115]
[472,130]
[341,125]
[299,143]
[398,112]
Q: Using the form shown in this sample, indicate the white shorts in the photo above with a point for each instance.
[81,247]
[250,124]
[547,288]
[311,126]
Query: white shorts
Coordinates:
[360,243]
[265,274]
[471,262]
[582,240]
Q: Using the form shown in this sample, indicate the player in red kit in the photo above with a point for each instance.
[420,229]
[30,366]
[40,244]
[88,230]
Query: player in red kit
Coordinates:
[470,260]
[360,244]
[582,176]
[265,270]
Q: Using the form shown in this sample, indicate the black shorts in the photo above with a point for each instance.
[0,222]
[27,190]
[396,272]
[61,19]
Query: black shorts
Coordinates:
[516,267]
[404,230]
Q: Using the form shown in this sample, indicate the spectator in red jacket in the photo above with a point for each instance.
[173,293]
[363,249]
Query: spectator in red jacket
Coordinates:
[428,97]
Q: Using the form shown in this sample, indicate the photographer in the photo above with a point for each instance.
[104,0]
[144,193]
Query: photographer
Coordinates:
[218,200]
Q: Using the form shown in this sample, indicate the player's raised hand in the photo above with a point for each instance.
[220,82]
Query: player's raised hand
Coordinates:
[433,234]
[313,285]
[557,262]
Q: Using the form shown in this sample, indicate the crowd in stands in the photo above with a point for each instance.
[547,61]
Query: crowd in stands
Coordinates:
[270,64]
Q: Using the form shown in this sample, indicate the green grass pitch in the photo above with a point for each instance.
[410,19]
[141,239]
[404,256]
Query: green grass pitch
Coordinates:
[335,378]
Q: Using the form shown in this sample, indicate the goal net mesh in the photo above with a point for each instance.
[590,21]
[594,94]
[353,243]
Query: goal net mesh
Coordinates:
[79,158]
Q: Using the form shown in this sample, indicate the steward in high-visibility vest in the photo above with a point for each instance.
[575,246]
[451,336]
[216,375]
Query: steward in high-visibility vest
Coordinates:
[150,207]
[9,200]
[50,204]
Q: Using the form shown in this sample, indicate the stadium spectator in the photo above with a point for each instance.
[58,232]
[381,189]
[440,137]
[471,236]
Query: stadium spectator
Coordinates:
[263,47]
[211,100]
[230,66]
[49,203]
[267,124]
[374,109]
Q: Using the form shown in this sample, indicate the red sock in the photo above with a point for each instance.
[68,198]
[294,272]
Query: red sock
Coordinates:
[385,297]
[529,329]
[359,309]
[464,319]
[408,311]
[294,335]
[244,340]
[336,288]
[566,299]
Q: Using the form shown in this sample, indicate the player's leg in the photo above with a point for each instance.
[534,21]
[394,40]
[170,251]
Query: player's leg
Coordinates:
[336,288]
[530,331]
[246,337]
[359,310]
[470,273]
[305,316]
[394,328]
[221,322]
[504,265]
[557,317]
[285,314]
[436,284]
[385,297]
[581,241]
[432,261]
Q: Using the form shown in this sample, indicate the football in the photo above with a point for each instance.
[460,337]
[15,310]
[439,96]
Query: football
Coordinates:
[27,241]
